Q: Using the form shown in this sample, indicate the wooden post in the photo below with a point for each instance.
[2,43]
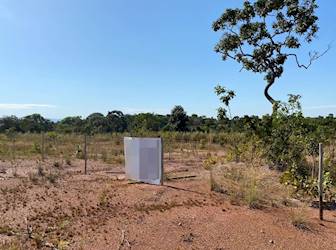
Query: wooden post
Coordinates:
[162,159]
[320,180]
[169,148]
[42,146]
[13,148]
[85,154]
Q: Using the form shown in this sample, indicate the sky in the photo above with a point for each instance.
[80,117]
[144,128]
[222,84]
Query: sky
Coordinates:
[75,57]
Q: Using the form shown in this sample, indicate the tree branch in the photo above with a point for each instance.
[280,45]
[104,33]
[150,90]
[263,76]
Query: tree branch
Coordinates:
[313,57]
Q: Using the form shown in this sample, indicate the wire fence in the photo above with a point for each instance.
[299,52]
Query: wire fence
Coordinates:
[109,148]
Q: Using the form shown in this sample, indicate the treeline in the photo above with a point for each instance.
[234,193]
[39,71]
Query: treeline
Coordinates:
[177,120]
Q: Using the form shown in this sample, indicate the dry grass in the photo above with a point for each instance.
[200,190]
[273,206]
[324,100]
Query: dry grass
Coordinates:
[12,245]
[42,176]
[157,207]
[254,187]
[7,230]
[104,198]
[104,147]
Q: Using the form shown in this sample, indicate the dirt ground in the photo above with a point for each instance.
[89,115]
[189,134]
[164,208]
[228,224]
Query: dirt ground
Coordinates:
[61,208]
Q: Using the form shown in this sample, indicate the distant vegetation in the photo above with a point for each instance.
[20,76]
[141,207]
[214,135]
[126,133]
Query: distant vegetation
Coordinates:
[114,121]
[178,120]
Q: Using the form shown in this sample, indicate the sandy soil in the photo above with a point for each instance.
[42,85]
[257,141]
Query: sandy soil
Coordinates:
[102,210]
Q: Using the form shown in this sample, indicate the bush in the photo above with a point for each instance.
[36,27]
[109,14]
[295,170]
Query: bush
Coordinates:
[283,136]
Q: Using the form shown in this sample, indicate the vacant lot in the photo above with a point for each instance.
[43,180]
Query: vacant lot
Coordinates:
[51,204]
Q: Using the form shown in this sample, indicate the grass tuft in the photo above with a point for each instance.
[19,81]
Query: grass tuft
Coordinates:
[299,219]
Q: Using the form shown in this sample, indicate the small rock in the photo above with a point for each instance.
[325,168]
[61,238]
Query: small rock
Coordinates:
[188,238]
[50,245]
[271,241]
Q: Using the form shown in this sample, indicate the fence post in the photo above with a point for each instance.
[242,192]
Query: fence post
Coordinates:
[320,180]
[42,146]
[162,159]
[13,148]
[169,148]
[85,154]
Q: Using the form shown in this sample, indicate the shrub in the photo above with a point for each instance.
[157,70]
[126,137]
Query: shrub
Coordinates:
[210,162]
[283,136]
[305,185]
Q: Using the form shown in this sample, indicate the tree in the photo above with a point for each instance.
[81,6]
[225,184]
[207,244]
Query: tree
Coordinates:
[263,34]
[35,123]
[70,125]
[96,123]
[116,121]
[225,95]
[9,122]
[178,119]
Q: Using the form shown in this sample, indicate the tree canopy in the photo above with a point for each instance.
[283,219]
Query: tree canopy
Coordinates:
[178,119]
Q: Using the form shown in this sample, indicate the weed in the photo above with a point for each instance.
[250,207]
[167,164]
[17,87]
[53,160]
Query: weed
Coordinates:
[39,241]
[33,177]
[104,156]
[40,171]
[12,245]
[119,159]
[15,174]
[214,186]
[7,230]
[252,196]
[79,152]
[57,164]
[103,198]
[68,161]
[64,224]
[52,177]
[210,162]
[157,207]
[36,148]
[63,244]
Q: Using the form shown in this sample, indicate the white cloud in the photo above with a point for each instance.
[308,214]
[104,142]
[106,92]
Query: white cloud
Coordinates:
[16,106]
[320,107]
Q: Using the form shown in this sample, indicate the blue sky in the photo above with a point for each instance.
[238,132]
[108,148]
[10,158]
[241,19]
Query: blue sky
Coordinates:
[75,57]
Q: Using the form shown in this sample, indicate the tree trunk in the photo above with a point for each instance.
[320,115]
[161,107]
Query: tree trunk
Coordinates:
[267,95]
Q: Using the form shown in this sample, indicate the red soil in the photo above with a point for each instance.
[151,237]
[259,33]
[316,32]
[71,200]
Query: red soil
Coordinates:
[103,211]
